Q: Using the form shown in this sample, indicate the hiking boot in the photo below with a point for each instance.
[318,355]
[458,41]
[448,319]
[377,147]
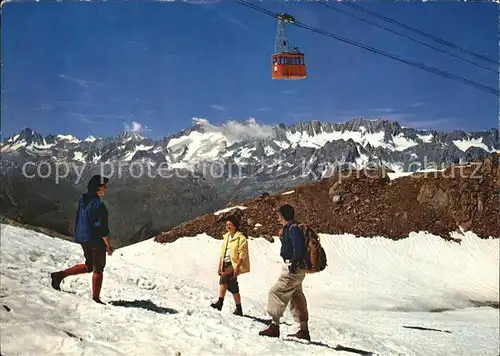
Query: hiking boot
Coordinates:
[56,280]
[238,310]
[217,305]
[98,300]
[301,334]
[272,331]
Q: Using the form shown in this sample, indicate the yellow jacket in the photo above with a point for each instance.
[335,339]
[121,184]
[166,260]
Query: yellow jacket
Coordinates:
[238,247]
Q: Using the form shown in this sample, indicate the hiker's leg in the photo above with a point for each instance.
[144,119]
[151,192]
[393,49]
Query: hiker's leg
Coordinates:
[298,307]
[96,284]
[222,294]
[234,288]
[237,302]
[99,262]
[74,271]
[58,276]
[280,294]
[222,291]
[232,285]
[279,297]
[223,281]
[237,298]
[88,252]
[80,268]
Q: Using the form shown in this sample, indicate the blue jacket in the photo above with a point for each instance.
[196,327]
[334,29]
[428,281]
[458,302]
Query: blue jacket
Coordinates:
[100,215]
[293,244]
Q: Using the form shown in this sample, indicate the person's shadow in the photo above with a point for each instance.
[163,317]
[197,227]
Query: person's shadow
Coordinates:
[143,304]
[262,320]
[336,348]
[344,348]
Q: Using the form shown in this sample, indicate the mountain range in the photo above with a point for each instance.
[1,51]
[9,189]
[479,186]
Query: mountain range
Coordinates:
[157,184]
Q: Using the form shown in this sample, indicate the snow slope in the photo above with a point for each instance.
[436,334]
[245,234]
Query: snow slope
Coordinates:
[229,209]
[368,301]
[464,145]
[361,136]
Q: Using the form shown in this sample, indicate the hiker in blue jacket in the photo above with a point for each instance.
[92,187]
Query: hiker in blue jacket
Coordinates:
[288,287]
[92,233]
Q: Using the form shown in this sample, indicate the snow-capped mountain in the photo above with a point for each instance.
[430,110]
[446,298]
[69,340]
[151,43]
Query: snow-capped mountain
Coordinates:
[29,139]
[244,159]
[280,148]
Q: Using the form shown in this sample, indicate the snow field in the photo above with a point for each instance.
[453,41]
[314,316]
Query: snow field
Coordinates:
[367,300]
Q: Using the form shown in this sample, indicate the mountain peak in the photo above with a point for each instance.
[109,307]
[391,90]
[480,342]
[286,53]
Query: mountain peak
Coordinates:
[27,130]
[200,125]
[127,136]
[27,134]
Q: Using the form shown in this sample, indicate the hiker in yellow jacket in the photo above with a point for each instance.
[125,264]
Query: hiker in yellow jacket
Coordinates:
[234,261]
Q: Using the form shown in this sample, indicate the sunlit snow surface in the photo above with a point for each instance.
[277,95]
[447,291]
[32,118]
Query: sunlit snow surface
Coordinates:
[368,300]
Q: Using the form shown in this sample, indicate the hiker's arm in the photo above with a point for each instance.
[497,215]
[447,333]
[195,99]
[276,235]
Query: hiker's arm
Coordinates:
[222,253]
[104,227]
[108,244]
[242,253]
[298,246]
[103,222]
[242,250]
[76,217]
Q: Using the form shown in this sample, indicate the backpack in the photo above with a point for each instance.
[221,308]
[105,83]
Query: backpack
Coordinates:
[86,221]
[315,259]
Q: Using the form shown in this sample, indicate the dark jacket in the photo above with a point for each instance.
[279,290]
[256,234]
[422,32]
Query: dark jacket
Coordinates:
[293,244]
[99,214]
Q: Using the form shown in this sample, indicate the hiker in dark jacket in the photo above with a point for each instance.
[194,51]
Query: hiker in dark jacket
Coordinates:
[92,232]
[288,288]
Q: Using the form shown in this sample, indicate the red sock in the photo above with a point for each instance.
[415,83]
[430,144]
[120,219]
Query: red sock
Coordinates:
[73,271]
[96,284]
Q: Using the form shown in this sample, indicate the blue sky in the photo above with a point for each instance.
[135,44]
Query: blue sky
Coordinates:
[92,68]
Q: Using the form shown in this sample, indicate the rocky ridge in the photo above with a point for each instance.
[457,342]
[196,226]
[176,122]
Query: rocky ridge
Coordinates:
[369,203]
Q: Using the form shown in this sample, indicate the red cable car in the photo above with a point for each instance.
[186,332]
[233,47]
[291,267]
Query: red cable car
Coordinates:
[287,64]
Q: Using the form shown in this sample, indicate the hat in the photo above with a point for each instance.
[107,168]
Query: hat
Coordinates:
[95,182]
